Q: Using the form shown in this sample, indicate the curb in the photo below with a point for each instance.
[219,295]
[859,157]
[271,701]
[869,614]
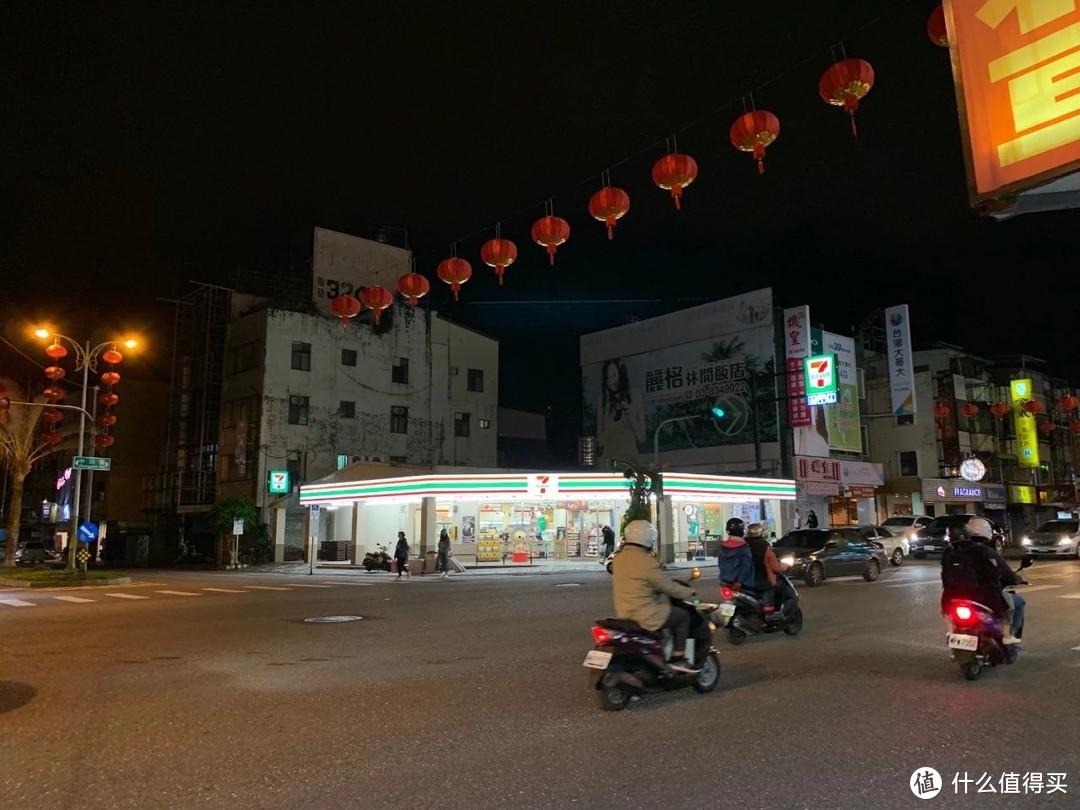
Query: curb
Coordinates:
[21,583]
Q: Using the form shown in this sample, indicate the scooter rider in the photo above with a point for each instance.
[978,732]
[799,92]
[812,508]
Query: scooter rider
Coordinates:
[643,592]
[736,562]
[766,567]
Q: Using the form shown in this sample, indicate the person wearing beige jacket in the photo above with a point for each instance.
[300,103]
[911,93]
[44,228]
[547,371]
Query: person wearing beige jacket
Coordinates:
[643,592]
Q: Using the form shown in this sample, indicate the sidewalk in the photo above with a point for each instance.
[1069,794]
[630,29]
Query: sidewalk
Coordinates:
[521,569]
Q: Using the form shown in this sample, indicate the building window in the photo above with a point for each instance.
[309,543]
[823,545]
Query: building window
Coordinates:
[397,459]
[461,425]
[475,380]
[298,410]
[399,419]
[906,419]
[909,463]
[485,424]
[400,371]
[346,409]
[342,461]
[301,356]
[348,357]
[293,466]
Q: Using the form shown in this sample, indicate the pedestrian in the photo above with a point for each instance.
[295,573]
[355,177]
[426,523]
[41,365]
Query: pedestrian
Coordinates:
[811,520]
[442,561]
[609,541]
[401,555]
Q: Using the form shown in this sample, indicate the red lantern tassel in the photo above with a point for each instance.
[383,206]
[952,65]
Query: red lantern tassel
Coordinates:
[551,255]
[854,129]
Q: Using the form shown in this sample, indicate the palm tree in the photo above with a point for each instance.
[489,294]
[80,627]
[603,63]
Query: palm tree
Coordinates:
[20,448]
[724,350]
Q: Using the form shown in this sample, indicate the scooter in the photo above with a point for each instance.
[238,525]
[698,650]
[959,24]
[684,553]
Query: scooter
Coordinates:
[377,560]
[629,661]
[975,637]
[744,614]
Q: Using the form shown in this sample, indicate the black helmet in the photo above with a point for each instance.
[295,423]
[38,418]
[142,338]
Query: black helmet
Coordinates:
[736,527]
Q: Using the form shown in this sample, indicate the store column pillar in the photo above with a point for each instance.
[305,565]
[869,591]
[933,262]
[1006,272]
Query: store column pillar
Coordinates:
[427,524]
[667,532]
[356,547]
[279,533]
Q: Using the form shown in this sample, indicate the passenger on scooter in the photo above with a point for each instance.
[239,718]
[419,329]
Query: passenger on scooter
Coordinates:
[972,568]
[736,562]
[643,592]
[773,590]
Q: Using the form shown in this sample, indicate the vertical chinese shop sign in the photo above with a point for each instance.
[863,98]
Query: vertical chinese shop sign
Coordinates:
[797,347]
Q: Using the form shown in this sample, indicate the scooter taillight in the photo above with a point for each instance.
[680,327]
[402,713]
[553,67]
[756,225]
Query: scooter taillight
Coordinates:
[727,593]
[600,635]
[963,614]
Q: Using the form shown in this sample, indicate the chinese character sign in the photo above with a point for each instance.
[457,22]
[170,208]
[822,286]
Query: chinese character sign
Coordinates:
[1018,89]
[797,342]
[1027,436]
[899,360]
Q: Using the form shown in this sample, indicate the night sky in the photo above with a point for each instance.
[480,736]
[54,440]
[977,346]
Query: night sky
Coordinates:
[146,147]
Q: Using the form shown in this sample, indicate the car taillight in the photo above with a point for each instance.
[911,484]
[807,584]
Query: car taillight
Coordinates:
[727,593]
[962,613]
[600,635]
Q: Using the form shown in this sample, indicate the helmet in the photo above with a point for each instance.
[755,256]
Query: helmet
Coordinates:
[980,529]
[959,532]
[755,530]
[736,527]
[641,533]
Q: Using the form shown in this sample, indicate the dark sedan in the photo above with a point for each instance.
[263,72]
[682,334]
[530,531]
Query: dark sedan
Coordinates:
[819,554]
[934,539]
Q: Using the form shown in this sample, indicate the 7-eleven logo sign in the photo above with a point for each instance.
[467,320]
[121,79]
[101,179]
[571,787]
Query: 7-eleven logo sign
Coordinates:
[821,379]
[543,486]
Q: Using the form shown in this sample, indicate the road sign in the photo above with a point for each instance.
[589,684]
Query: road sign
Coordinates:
[238,526]
[88,532]
[278,482]
[82,556]
[821,379]
[92,463]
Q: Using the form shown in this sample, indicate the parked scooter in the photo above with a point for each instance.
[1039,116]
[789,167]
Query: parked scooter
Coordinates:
[377,560]
[975,637]
[745,613]
[630,661]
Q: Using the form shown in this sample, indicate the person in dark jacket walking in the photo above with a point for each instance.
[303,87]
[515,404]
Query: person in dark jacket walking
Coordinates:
[736,563]
[401,555]
[609,541]
[442,561]
[811,520]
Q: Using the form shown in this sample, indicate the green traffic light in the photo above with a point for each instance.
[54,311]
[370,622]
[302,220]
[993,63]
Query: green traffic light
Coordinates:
[718,412]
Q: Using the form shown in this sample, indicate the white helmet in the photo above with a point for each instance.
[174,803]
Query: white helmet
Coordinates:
[640,532]
[980,529]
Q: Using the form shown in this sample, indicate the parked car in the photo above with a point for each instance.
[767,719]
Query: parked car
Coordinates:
[819,554]
[1056,538]
[895,544]
[32,552]
[907,525]
[934,539]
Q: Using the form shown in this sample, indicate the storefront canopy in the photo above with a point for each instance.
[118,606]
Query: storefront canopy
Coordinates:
[523,486]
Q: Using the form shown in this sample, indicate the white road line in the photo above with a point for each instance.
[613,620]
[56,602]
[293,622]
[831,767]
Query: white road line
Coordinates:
[179,593]
[306,585]
[18,603]
[358,584]
[920,582]
[1069,596]
[1032,588]
[223,590]
[77,599]
[126,596]
[266,588]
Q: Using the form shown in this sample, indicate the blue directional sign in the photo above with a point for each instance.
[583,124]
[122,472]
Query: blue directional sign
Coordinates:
[88,532]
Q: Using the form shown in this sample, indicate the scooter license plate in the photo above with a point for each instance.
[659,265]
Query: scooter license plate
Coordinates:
[963,642]
[597,659]
[727,611]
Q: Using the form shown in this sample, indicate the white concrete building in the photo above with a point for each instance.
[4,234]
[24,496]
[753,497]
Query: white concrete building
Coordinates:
[307,396]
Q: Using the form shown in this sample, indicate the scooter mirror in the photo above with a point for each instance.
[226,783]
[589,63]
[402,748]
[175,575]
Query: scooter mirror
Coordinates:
[1027,562]
[695,574]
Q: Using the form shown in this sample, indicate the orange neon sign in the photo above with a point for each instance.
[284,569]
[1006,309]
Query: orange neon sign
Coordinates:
[1017,70]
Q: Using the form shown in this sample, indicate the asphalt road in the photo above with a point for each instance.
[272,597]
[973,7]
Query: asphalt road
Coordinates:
[470,693]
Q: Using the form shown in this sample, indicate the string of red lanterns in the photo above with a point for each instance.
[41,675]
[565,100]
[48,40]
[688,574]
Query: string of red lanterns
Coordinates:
[108,399]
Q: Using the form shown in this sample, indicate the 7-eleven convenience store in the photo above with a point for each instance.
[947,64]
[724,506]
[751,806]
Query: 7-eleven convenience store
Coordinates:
[516,517]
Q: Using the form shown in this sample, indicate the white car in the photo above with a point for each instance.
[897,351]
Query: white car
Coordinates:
[1055,538]
[907,525]
[894,542]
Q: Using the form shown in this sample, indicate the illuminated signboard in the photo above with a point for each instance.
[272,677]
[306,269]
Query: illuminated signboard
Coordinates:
[1027,435]
[1017,70]
[277,482]
[821,380]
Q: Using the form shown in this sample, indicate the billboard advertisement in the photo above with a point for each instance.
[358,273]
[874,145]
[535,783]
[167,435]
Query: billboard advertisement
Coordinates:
[797,348]
[1017,69]
[1027,434]
[636,376]
[835,427]
[901,374]
[342,264]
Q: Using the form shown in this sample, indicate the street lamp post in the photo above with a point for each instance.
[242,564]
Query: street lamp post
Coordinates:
[656,468]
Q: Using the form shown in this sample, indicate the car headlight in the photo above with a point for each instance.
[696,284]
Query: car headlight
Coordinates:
[1025,541]
[788,559]
[1064,541]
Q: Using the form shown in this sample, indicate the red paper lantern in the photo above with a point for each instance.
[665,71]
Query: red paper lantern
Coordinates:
[940,411]
[1047,427]
[455,272]
[50,437]
[499,254]
[343,307]
[1068,402]
[935,27]
[999,409]
[609,205]
[104,441]
[51,416]
[106,419]
[845,84]
[753,132]
[1033,406]
[376,299]
[54,372]
[110,378]
[108,400]
[413,286]
[969,409]
[112,357]
[675,172]
[56,351]
[52,394]
[550,232]
[1075,427]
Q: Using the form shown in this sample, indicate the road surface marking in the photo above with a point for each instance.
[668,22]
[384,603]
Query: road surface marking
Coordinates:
[920,582]
[307,585]
[126,596]
[359,584]
[1069,596]
[179,593]
[76,599]
[266,588]
[223,590]
[1032,588]
[17,603]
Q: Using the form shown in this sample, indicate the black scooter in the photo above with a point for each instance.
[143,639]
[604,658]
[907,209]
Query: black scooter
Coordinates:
[377,560]
[745,613]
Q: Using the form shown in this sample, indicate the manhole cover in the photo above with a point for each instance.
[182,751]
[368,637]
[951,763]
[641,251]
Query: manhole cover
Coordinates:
[332,619]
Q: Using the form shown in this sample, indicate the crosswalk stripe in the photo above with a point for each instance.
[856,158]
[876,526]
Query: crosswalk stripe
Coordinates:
[266,588]
[223,590]
[179,593]
[17,603]
[920,582]
[1069,596]
[76,599]
[1032,588]
[126,596]
[307,585]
